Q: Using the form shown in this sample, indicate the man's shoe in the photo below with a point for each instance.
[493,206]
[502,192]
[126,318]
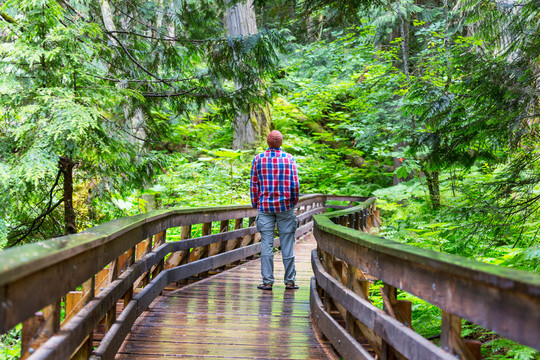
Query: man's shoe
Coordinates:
[291,286]
[265,287]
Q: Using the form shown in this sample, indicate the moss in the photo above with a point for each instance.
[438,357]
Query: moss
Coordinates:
[460,266]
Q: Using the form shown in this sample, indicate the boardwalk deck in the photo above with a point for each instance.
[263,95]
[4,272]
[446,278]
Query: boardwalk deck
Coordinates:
[227,317]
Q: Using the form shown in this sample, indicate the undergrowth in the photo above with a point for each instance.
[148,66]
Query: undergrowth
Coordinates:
[408,218]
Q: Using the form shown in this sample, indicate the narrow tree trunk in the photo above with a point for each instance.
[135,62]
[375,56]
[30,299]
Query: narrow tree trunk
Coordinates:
[432,179]
[404,43]
[405,57]
[447,47]
[67,165]
[250,127]
[397,164]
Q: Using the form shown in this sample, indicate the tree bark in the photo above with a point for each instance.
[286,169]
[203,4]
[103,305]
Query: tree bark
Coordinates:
[397,163]
[254,125]
[404,42]
[135,120]
[66,166]
[403,28]
[432,179]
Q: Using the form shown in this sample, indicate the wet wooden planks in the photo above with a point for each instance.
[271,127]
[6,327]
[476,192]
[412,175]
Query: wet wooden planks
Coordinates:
[227,317]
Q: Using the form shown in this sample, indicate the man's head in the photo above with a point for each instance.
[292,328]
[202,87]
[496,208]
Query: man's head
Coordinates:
[274,139]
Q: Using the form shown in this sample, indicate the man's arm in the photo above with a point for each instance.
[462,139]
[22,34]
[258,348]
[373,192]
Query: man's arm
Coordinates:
[295,185]
[254,185]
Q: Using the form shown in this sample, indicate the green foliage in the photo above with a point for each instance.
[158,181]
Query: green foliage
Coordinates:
[10,344]
[456,228]
[407,217]
[507,349]
[106,93]
[144,109]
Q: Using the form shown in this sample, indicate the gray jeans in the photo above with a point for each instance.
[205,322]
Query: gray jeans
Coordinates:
[286,224]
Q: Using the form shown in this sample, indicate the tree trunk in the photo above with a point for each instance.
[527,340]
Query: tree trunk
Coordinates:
[251,127]
[67,165]
[432,179]
[397,164]
[106,15]
[135,120]
[404,27]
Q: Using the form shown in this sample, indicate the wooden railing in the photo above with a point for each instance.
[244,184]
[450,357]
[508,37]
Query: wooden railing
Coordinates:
[123,265]
[348,261]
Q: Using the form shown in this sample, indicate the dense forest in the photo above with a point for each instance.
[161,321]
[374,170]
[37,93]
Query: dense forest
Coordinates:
[108,109]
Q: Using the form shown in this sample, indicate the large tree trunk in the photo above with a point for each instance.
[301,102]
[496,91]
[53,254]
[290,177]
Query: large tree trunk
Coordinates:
[253,126]
[66,166]
[135,120]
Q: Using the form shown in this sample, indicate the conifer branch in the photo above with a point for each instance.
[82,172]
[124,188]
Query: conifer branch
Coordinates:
[139,65]
[41,218]
[167,38]
[75,11]
[145,80]
[7,18]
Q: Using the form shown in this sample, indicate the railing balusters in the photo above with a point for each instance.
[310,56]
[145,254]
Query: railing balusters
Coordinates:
[232,244]
[435,277]
[133,262]
[159,239]
[452,341]
[39,328]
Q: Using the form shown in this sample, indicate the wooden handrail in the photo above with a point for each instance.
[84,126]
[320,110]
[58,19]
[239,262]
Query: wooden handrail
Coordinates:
[500,299]
[36,275]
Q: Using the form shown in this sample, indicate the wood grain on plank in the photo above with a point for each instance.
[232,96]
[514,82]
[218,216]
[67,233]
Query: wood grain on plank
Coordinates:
[226,316]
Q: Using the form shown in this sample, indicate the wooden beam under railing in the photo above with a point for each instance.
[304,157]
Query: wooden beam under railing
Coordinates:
[82,256]
[500,299]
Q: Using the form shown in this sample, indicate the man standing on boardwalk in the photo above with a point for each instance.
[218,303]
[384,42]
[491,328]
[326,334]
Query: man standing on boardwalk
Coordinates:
[274,193]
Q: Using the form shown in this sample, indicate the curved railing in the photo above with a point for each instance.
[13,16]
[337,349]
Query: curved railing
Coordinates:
[121,265]
[348,260]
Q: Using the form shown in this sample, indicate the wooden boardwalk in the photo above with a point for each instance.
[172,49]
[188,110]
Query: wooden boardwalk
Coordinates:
[227,317]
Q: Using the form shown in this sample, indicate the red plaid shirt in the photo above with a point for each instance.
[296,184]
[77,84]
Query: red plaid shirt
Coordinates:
[274,181]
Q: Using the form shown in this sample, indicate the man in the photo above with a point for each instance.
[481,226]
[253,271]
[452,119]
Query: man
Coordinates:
[274,193]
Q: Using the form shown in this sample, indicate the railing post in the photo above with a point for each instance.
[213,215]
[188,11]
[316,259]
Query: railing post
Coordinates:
[232,244]
[201,251]
[144,248]
[216,248]
[219,247]
[131,257]
[357,282]
[452,341]
[364,221]
[159,239]
[185,233]
[327,264]
[388,294]
[253,238]
[376,215]
[110,317]
[39,328]
[75,301]
[400,310]
[351,221]
[179,257]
